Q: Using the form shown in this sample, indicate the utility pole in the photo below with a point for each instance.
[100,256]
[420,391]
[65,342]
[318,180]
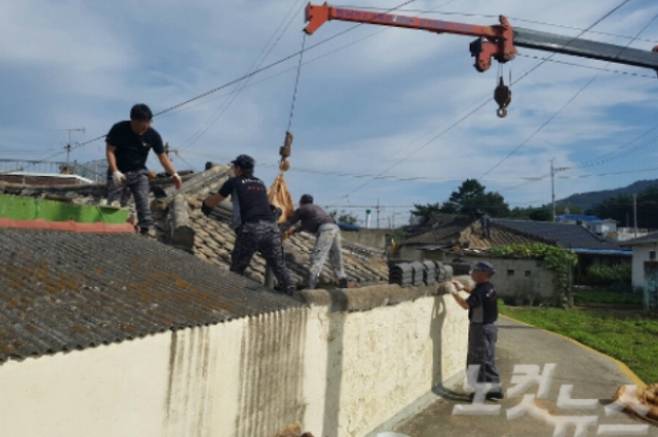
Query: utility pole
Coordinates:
[554,214]
[68,144]
[377,209]
[554,170]
[635,214]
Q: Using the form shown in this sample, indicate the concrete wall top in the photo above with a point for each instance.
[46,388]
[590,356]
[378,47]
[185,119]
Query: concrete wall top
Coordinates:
[367,298]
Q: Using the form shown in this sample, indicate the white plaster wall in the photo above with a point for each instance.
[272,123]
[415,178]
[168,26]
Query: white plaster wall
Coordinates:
[339,374]
[377,362]
[115,390]
[640,255]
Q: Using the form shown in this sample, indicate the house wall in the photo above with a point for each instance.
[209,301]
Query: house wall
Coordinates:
[376,238]
[338,372]
[523,281]
[520,281]
[641,254]
[409,253]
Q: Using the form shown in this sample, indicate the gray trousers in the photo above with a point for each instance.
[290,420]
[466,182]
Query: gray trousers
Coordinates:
[482,351]
[137,184]
[328,243]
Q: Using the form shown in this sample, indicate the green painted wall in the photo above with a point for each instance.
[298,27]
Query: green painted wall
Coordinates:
[28,208]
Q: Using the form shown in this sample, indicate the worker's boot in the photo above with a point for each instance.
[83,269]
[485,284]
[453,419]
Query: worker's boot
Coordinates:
[495,395]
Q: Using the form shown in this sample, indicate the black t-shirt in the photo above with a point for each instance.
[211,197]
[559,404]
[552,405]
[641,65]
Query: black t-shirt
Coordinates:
[251,196]
[132,149]
[483,307]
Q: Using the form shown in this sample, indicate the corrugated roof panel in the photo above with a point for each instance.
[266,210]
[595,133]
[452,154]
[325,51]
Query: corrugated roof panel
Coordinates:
[61,291]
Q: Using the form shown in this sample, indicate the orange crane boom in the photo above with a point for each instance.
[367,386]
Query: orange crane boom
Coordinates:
[497,42]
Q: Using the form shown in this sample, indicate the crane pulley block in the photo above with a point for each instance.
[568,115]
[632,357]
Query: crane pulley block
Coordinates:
[501,48]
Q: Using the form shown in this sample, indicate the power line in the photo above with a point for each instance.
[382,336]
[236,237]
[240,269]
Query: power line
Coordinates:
[572,98]
[622,152]
[496,16]
[243,77]
[589,67]
[614,173]
[483,104]
[272,42]
[271,65]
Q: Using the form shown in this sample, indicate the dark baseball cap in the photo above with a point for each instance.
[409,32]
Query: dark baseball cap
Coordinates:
[484,266]
[306,198]
[245,162]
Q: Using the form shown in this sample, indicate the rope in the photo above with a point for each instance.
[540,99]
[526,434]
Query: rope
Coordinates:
[296,88]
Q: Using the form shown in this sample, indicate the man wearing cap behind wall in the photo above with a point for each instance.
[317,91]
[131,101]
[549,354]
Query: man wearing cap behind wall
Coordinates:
[483,333]
[128,146]
[254,222]
[316,221]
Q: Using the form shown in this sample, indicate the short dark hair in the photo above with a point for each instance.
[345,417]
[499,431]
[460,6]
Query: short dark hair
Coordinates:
[306,199]
[141,112]
[246,163]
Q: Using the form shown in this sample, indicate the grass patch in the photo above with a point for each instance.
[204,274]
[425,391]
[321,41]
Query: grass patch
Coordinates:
[628,336]
[606,297]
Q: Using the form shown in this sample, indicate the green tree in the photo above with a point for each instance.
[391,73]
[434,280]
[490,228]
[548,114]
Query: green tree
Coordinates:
[344,217]
[620,208]
[425,212]
[540,214]
[471,198]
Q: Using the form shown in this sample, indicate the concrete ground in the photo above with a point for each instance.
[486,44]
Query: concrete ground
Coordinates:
[593,376]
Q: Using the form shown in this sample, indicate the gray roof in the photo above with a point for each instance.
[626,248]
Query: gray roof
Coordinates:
[61,291]
[568,236]
[444,229]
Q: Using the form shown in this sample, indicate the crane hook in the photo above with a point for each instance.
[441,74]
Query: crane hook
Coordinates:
[502,96]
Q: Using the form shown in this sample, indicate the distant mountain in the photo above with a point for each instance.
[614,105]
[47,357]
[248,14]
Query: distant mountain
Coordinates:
[589,200]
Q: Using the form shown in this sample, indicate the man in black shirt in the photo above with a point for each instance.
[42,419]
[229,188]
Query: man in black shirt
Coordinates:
[483,333]
[316,221]
[253,220]
[128,146]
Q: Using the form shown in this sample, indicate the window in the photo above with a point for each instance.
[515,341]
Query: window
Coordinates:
[510,272]
[528,273]
[652,255]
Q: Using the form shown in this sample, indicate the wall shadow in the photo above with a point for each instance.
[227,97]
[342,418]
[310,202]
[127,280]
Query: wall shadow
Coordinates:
[334,376]
[437,325]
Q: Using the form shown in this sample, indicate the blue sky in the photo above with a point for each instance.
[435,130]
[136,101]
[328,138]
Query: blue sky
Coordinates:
[360,110]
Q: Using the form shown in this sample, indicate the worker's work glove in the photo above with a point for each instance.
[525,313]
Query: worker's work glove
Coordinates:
[178,182]
[288,233]
[118,178]
[206,209]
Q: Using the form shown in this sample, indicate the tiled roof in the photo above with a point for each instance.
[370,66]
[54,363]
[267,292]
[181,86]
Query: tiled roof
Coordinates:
[568,236]
[214,242]
[61,291]
[214,239]
[443,229]
[460,232]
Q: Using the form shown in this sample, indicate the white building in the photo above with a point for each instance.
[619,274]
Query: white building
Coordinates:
[644,252]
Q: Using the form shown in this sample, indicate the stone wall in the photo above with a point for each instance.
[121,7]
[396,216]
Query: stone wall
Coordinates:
[342,366]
